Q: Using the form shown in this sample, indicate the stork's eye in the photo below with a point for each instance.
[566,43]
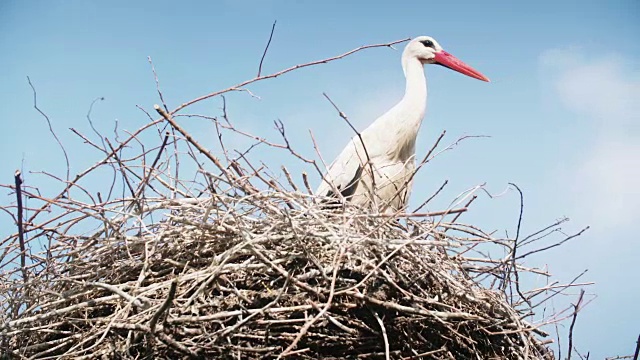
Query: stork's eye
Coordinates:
[428,43]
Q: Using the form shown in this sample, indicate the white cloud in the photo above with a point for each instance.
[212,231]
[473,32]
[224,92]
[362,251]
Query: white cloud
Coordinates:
[608,182]
[606,90]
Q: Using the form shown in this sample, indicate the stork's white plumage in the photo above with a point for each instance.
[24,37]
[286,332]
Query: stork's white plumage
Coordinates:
[387,147]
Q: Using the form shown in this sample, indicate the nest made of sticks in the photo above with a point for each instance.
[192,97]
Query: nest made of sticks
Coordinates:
[220,266]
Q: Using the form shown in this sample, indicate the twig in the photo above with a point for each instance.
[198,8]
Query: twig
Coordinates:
[364,147]
[519,215]
[161,335]
[35,106]
[415,215]
[189,138]
[554,245]
[424,203]
[139,303]
[144,181]
[155,76]
[104,147]
[87,141]
[23,250]
[515,247]
[444,315]
[125,178]
[289,179]
[384,335]
[473,198]
[428,156]
[530,238]
[282,72]
[308,324]
[424,354]
[305,180]
[433,147]
[273,28]
[248,318]
[164,307]
[287,145]
[576,308]
[570,284]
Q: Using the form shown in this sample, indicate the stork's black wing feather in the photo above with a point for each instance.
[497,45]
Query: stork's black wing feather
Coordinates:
[349,189]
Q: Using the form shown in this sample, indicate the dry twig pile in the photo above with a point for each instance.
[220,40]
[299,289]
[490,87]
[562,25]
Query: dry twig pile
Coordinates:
[238,263]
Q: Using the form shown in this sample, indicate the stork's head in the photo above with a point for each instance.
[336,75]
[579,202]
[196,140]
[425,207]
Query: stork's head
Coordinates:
[427,50]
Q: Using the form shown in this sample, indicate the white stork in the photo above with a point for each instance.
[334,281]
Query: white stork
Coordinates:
[387,147]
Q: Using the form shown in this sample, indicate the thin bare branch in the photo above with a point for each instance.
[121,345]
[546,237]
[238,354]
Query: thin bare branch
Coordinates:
[53,133]
[273,28]
[282,72]
[576,308]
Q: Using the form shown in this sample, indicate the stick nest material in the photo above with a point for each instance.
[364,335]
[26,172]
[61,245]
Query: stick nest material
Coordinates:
[222,268]
[225,277]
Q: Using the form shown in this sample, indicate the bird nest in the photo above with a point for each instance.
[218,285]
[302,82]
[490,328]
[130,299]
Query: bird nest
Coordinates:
[238,263]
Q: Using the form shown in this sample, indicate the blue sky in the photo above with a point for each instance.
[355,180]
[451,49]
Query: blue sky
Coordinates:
[562,109]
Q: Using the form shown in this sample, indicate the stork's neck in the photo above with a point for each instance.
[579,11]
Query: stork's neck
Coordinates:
[414,103]
[399,126]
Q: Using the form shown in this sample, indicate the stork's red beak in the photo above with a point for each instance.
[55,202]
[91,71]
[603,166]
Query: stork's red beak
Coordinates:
[445,59]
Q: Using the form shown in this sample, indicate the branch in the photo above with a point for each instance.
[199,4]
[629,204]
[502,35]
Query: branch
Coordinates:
[189,138]
[35,106]
[23,261]
[554,245]
[104,147]
[144,182]
[414,214]
[515,247]
[155,76]
[273,27]
[431,197]
[576,308]
[282,72]
[164,307]
[336,260]
[384,335]
[364,146]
